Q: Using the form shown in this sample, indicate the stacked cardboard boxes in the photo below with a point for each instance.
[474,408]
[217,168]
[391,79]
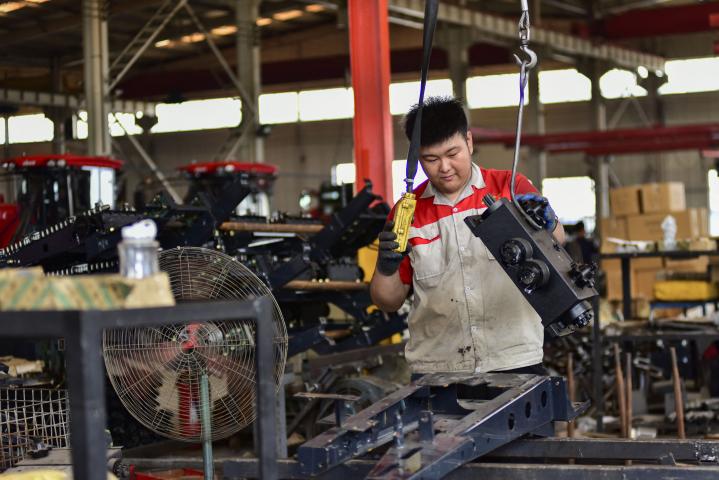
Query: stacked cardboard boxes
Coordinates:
[638,212]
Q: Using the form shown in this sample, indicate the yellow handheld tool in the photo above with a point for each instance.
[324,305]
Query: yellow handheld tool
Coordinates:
[403,215]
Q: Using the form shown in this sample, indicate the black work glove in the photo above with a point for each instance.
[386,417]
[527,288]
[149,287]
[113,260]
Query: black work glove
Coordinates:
[388,262]
[535,204]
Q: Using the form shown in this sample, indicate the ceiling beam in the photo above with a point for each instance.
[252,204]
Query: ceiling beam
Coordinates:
[64,23]
[506,29]
[653,22]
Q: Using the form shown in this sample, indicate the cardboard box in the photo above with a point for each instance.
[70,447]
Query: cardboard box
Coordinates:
[613,270]
[663,197]
[28,289]
[703,214]
[613,227]
[643,284]
[693,265]
[651,263]
[607,247]
[703,245]
[649,227]
[625,201]
[642,280]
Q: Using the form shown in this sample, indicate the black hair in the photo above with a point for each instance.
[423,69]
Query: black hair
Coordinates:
[579,226]
[442,118]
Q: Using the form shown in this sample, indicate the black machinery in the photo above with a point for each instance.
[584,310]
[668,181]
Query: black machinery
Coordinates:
[295,266]
[556,287]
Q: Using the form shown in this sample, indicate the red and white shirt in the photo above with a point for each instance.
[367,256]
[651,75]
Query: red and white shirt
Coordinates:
[467,315]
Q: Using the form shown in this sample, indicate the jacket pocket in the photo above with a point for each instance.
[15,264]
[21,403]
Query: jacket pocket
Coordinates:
[427,251]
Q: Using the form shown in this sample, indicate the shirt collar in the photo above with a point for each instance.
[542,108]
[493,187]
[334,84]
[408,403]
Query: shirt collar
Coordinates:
[476,181]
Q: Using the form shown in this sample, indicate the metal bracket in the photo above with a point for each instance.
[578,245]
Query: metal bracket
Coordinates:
[340,407]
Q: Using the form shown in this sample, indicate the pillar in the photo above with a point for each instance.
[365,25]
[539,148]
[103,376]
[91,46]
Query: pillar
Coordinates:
[58,115]
[456,41]
[369,57]
[96,61]
[249,74]
[595,69]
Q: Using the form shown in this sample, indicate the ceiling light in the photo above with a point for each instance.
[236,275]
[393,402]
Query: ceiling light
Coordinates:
[288,15]
[194,38]
[164,44]
[215,14]
[36,1]
[10,6]
[315,8]
[226,30]
[261,22]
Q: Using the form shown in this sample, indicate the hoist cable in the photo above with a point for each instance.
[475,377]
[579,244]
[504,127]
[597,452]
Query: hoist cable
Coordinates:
[431,9]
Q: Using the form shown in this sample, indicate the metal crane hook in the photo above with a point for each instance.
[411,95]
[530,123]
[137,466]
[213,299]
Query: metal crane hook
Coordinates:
[528,65]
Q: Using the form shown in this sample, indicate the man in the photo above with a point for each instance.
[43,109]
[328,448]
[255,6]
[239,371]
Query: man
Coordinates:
[467,315]
[581,249]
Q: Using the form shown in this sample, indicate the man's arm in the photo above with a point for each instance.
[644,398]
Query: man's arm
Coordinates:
[559,233]
[387,290]
[388,293]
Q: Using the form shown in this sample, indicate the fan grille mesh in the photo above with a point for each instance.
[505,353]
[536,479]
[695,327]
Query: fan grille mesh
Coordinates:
[156,370]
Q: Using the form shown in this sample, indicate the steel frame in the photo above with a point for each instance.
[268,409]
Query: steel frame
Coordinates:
[232,143]
[473,413]
[504,29]
[124,68]
[150,162]
[82,331]
[609,142]
[75,102]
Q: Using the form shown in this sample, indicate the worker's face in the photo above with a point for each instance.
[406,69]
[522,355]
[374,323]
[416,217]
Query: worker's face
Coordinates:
[448,165]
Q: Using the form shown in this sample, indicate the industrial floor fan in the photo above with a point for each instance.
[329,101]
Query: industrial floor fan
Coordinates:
[194,382]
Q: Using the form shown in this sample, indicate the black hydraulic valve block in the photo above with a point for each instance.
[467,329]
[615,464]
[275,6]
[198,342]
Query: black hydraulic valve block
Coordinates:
[556,287]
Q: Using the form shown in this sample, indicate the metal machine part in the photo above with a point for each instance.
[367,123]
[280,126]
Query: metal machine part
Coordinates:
[556,287]
[458,416]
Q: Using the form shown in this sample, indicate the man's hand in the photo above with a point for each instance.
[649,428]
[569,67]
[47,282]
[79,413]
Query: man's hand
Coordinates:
[549,216]
[388,262]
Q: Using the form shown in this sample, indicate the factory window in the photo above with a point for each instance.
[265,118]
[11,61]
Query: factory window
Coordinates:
[688,76]
[494,91]
[329,104]
[279,108]
[198,115]
[572,198]
[402,96]
[399,173]
[126,119]
[346,173]
[30,128]
[343,173]
[81,125]
[102,185]
[713,203]
[620,83]
[559,86]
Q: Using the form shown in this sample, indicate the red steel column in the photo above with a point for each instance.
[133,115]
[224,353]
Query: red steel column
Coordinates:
[369,56]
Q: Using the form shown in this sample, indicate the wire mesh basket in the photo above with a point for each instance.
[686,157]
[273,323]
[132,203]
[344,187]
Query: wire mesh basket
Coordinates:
[29,413]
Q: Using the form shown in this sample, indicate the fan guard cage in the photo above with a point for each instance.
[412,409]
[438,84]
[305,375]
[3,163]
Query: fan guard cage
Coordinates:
[156,371]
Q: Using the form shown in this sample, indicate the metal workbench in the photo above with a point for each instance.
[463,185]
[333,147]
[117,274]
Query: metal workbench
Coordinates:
[82,331]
